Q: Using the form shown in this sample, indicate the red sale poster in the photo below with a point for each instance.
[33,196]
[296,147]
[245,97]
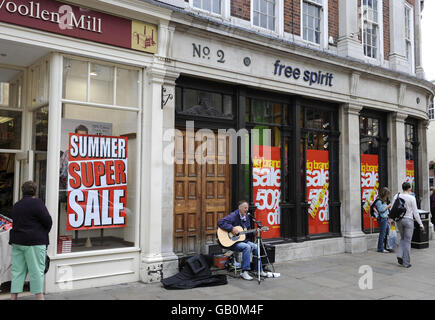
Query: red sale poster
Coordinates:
[369,187]
[266,175]
[317,179]
[410,173]
[97,182]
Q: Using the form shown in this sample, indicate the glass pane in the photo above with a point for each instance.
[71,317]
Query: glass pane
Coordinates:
[228,106]
[248,110]
[178,99]
[271,24]
[7,167]
[258,110]
[99,210]
[217,6]
[197,3]
[40,127]
[10,129]
[263,21]
[256,19]
[263,6]
[101,84]
[270,9]
[75,79]
[206,5]
[127,87]
[256,5]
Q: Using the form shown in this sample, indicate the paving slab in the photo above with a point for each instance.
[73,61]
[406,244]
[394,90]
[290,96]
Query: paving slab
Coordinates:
[333,277]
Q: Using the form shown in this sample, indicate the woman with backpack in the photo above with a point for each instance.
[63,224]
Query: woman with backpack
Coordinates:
[382,207]
[406,225]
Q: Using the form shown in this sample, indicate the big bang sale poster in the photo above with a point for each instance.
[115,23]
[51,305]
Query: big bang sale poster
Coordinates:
[266,176]
[317,179]
[369,187]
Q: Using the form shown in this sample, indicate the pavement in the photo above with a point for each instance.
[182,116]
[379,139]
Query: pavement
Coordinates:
[361,276]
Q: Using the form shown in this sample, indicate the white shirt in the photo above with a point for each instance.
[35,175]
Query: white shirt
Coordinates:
[411,207]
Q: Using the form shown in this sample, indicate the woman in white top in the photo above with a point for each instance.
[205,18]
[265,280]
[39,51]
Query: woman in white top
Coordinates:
[406,225]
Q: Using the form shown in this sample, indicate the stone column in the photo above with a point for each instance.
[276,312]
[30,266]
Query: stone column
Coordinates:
[350,179]
[396,152]
[348,44]
[157,257]
[423,165]
[417,39]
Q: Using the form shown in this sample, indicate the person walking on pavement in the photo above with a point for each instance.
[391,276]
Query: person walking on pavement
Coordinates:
[406,225]
[382,207]
[29,239]
[432,205]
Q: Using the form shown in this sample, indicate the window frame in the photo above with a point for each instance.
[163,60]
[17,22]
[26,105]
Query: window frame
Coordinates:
[379,53]
[85,104]
[278,29]
[323,17]
[409,41]
[225,12]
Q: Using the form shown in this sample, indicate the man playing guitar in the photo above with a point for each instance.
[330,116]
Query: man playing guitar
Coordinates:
[240,218]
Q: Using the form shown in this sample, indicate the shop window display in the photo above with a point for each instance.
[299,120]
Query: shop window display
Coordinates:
[98,159]
[373,165]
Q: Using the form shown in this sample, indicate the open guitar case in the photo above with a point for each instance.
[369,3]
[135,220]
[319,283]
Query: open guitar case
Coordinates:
[195,273]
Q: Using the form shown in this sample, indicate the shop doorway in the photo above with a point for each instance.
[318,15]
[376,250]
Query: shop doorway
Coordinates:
[202,191]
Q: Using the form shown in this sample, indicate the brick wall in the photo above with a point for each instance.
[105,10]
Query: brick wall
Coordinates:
[386,25]
[241,9]
[292,16]
[333,19]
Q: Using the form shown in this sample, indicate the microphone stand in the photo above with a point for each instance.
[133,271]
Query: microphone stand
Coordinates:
[259,239]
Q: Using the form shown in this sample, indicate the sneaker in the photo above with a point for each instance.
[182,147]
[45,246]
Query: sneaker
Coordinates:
[399,260]
[265,274]
[407,265]
[245,275]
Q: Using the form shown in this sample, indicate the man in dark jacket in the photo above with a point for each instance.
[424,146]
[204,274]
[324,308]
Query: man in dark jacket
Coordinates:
[240,218]
[31,224]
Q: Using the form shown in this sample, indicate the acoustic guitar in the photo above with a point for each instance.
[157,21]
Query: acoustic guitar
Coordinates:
[227,239]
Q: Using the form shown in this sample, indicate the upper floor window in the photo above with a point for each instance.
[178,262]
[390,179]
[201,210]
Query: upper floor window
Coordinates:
[408,33]
[212,6]
[370,18]
[431,110]
[264,14]
[311,20]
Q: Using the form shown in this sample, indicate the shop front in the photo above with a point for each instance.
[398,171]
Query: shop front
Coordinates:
[313,138]
[78,90]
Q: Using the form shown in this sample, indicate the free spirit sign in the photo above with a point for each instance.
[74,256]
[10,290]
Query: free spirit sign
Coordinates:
[56,17]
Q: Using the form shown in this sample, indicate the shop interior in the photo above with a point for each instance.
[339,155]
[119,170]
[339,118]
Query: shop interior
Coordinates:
[24,113]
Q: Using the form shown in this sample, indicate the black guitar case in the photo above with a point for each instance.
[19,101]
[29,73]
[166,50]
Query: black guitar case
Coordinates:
[195,273]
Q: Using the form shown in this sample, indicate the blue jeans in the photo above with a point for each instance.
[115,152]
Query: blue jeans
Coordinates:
[383,225]
[246,248]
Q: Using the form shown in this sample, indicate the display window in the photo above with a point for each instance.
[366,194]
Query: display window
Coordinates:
[373,164]
[411,149]
[266,120]
[98,174]
[316,150]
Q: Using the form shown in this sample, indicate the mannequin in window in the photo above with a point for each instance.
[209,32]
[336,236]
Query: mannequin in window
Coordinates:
[63,166]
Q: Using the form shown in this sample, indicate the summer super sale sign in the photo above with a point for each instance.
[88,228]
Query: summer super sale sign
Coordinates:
[369,187]
[317,179]
[97,182]
[266,174]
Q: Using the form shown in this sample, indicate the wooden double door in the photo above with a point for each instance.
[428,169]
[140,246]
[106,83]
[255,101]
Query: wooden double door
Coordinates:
[202,191]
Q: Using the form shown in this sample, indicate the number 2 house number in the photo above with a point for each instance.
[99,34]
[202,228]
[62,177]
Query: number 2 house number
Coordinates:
[205,53]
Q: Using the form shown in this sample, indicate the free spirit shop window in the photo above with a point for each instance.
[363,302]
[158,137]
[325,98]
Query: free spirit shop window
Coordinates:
[98,156]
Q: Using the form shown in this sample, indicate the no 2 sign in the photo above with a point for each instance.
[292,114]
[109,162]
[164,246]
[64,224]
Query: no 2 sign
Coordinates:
[205,52]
